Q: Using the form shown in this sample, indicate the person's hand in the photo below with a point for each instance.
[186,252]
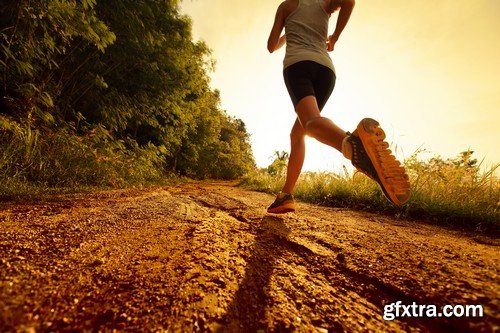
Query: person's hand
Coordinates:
[330,43]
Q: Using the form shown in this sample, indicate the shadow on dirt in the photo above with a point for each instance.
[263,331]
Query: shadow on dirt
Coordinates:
[247,310]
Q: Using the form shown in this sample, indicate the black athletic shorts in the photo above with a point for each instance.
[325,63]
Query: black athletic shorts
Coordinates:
[308,78]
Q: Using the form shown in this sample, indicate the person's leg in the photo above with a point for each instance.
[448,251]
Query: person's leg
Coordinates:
[310,85]
[299,82]
[285,202]
[318,127]
[296,158]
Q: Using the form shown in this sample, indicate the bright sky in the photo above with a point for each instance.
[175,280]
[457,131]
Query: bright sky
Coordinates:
[428,70]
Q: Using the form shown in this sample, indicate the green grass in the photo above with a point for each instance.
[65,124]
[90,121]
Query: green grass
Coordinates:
[34,163]
[454,192]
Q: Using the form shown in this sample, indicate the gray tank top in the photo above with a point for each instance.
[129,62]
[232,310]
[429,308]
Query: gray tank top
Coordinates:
[306,31]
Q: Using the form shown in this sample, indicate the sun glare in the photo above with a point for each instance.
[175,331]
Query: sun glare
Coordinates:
[400,63]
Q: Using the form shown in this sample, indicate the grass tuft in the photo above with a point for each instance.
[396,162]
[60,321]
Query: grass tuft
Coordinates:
[32,163]
[454,192]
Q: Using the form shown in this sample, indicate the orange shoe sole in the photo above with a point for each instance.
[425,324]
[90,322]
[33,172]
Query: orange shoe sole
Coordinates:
[371,133]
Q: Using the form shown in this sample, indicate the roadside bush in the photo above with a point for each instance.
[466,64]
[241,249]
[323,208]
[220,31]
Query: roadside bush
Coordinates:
[455,191]
[62,159]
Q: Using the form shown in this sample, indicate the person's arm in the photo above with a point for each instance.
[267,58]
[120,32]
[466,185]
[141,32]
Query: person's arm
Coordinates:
[275,41]
[346,7]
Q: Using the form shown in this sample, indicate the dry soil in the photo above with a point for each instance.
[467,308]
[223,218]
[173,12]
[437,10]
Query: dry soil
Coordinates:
[207,257]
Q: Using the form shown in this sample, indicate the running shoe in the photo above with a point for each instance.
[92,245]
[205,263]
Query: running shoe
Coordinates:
[284,203]
[371,155]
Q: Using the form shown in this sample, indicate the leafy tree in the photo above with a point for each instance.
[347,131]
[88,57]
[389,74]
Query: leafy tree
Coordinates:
[125,69]
[38,39]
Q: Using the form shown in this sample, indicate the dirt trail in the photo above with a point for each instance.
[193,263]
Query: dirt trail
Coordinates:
[206,257]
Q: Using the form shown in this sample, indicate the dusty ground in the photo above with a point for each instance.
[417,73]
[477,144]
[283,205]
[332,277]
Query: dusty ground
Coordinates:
[206,257]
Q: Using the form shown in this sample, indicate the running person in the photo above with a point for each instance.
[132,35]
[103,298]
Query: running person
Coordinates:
[309,76]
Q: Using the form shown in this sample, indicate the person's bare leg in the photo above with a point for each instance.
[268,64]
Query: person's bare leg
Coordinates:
[318,127]
[322,129]
[296,158]
[386,170]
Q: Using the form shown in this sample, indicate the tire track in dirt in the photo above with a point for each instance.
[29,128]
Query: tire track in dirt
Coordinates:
[206,257]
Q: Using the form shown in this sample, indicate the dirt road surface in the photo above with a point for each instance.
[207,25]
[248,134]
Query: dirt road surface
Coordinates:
[205,257]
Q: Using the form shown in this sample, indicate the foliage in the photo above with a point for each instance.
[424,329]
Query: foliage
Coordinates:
[457,187]
[65,160]
[278,166]
[450,191]
[91,88]
[39,41]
